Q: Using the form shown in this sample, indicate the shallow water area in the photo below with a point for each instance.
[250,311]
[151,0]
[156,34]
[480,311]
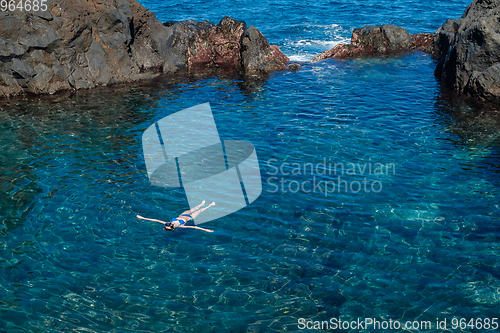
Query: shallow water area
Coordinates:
[420,242]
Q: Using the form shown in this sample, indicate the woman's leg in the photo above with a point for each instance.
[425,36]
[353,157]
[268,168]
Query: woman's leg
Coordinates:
[194,209]
[202,210]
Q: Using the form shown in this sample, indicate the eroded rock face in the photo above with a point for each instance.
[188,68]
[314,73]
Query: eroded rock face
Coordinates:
[79,44]
[469,49]
[258,56]
[204,44]
[378,41]
[230,44]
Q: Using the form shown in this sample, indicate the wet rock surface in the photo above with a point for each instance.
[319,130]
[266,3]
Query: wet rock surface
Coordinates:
[258,56]
[78,44]
[378,41]
[469,50]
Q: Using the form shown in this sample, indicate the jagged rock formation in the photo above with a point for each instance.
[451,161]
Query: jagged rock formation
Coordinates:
[258,56]
[377,41]
[79,44]
[469,50]
[86,43]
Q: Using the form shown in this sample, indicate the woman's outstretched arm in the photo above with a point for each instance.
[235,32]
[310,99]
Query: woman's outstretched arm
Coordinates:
[188,226]
[145,218]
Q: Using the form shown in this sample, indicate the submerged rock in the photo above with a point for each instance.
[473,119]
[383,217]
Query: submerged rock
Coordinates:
[79,44]
[378,41]
[469,50]
[293,67]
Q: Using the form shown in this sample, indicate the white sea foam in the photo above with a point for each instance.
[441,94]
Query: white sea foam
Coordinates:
[328,26]
[300,57]
[324,37]
[316,42]
[301,49]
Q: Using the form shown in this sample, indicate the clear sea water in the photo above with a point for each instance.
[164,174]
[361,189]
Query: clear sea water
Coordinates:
[423,245]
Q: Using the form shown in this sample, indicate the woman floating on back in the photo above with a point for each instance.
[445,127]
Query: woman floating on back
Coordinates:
[180,221]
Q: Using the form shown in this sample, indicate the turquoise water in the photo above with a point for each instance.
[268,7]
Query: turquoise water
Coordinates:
[421,244]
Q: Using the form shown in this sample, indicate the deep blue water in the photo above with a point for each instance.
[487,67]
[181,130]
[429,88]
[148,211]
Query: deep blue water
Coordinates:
[422,244]
[304,29]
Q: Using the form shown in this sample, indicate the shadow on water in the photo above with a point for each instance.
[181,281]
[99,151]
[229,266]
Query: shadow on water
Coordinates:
[248,84]
[477,130]
[99,124]
[474,125]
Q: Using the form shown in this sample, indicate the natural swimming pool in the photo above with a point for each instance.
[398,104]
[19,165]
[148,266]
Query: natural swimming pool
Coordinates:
[423,246]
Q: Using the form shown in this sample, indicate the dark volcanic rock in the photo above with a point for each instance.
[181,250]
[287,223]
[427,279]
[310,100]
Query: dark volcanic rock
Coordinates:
[377,41]
[204,44]
[381,40]
[258,56]
[293,67]
[424,42]
[469,49]
[86,43]
[79,44]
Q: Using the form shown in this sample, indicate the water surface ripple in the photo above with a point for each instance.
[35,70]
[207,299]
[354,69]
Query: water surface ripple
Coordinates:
[73,256]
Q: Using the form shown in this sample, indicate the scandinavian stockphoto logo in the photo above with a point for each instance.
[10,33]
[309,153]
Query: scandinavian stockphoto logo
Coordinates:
[185,150]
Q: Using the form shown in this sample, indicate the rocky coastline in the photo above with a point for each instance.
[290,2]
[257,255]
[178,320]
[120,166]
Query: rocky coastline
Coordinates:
[469,52]
[380,41]
[81,44]
[468,49]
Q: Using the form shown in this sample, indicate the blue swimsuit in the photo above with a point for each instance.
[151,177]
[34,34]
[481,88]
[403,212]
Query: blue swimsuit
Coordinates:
[181,222]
